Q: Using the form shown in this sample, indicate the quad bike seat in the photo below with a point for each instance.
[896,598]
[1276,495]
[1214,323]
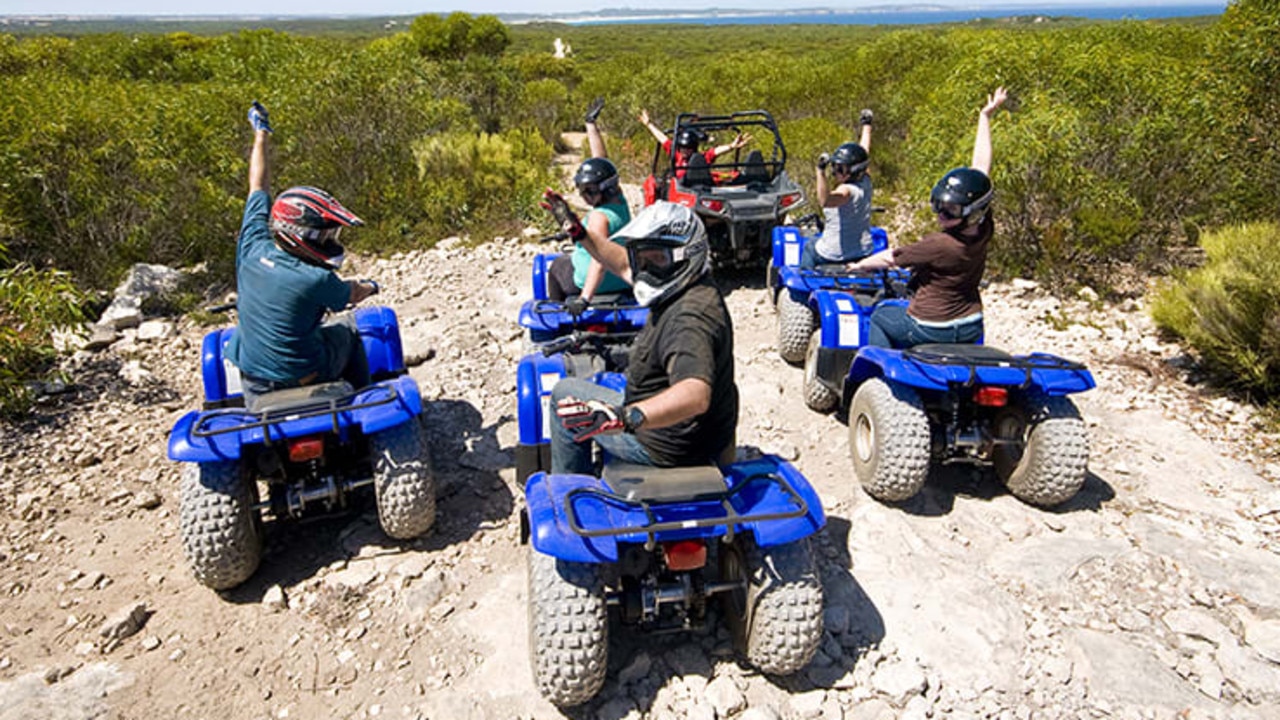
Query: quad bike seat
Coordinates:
[698,172]
[958,354]
[299,397]
[755,172]
[656,484]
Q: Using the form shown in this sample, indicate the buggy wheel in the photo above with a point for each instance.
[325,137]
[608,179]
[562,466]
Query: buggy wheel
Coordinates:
[1045,455]
[221,530]
[568,628]
[795,323]
[402,481]
[817,396]
[776,618]
[889,440]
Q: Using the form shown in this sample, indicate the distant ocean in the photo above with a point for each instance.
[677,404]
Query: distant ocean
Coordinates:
[909,16]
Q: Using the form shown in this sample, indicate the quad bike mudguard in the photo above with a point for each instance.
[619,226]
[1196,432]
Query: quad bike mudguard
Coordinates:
[221,434]
[219,431]
[546,319]
[580,518]
[942,366]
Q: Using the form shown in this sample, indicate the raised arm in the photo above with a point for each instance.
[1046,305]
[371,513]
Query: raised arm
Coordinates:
[595,140]
[864,119]
[739,141]
[259,176]
[610,254]
[982,143]
[654,130]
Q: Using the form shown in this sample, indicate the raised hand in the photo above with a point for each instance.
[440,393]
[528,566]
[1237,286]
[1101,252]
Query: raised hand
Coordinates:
[258,117]
[565,217]
[995,100]
[823,160]
[586,419]
[866,116]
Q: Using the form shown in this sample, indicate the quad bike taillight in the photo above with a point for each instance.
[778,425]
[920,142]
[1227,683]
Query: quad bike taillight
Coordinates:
[713,205]
[991,396]
[307,448]
[788,200]
[685,554]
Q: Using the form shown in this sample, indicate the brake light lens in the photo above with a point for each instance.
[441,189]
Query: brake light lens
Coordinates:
[685,554]
[713,205]
[991,396]
[304,449]
[790,199]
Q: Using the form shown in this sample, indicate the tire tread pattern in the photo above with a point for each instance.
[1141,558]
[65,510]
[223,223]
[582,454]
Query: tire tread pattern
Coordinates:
[795,323]
[403,482]
[900,462]
[785,597]
[221,533]
[1055,461]
[568,629]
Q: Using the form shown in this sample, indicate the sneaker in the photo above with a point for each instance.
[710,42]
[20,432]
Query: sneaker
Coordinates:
[593,110]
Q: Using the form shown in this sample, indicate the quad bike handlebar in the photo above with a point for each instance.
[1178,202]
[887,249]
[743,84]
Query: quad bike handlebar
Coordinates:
[576,340]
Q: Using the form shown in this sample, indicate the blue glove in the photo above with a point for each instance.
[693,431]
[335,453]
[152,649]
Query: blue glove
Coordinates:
[258,117]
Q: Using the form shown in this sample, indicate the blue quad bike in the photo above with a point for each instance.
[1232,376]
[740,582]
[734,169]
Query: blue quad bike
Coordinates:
[955,403]
[314,448]
[792,288]
[545,319]
[652,548]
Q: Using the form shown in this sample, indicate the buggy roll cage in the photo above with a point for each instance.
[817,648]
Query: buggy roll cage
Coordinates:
[742,121]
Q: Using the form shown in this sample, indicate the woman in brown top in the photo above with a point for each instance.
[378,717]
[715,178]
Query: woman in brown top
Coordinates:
[947,266]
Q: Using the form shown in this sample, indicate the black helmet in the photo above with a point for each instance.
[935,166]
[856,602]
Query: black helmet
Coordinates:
[689,138]
[596,174]
[852,156]
[963,193]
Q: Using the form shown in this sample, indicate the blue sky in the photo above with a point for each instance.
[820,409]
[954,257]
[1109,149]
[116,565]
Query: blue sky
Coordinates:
[414,7]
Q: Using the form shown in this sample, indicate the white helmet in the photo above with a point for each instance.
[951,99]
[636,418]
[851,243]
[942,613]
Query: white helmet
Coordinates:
[667,249]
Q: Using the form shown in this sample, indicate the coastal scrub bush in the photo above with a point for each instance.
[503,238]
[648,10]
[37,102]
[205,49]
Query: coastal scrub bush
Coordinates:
[1229,309]
[33,303]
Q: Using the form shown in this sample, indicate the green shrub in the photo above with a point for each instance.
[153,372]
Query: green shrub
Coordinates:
[1229,309]
[33,303]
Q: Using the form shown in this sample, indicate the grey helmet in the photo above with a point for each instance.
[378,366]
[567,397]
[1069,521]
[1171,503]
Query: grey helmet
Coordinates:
[667,250]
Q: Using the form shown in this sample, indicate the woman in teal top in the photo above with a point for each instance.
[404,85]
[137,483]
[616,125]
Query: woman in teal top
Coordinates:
[576,277]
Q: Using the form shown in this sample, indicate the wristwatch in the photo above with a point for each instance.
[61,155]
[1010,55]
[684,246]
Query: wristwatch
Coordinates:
[633,419]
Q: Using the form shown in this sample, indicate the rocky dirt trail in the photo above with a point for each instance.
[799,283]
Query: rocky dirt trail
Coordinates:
[1152,594]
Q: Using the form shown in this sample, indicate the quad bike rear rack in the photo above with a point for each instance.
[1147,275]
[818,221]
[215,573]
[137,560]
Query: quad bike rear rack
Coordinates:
[975,356]
[729,520]
[265,420]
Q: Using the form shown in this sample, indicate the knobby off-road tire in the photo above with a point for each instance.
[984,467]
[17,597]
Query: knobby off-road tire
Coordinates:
[1050,464]
[568,628]
[889,440]
[402,481]
[777,620]
[221,530]
[817,396]
[795,324]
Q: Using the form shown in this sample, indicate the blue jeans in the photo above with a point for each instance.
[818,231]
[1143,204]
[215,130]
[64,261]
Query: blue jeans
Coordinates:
[892,327]
[568,456]
[810,259]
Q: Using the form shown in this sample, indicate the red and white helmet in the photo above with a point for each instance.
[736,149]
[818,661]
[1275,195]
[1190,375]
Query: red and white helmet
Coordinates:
[307,221]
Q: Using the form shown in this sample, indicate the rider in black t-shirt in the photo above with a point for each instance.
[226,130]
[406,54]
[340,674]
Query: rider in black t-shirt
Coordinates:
[681,403]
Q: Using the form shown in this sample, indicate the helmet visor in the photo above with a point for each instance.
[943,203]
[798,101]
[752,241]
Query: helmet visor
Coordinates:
[590,190]
[949,210]
[657,262]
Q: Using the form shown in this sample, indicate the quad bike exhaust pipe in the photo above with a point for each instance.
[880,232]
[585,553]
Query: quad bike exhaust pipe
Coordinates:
[329,491]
